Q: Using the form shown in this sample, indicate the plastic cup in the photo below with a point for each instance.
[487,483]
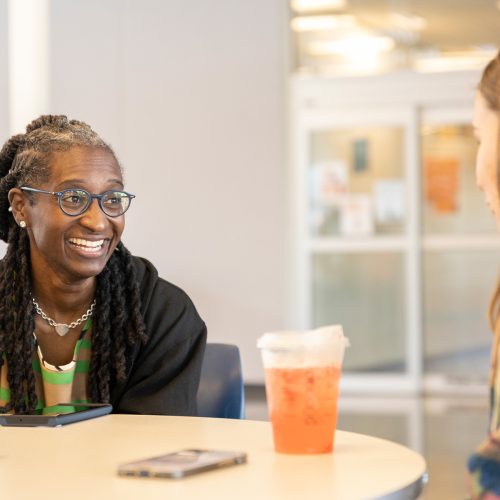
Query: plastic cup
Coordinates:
[302,371]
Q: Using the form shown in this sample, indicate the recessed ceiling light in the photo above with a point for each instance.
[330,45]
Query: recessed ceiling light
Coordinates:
[315,5]
[353,45]
[322,23]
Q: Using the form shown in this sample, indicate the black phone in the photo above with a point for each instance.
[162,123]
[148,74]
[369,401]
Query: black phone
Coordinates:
[53,416]
[182,463]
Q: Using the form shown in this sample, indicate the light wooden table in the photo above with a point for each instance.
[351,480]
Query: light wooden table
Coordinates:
[79,461]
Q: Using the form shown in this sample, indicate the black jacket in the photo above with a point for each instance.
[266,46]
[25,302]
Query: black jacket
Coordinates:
[163,375]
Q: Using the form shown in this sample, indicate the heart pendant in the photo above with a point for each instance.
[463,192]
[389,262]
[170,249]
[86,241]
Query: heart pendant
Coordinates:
[61,329]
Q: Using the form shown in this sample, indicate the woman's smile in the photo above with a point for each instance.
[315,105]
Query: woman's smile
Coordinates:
[88,248]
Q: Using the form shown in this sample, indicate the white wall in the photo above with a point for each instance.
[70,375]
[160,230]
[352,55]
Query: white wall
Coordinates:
[190,93]
[4,74]
[4,84]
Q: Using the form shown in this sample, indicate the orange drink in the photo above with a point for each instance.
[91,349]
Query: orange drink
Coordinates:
[302,372]
[303,408]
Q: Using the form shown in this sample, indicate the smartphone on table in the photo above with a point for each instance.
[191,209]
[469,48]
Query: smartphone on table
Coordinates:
[53,416]
[182,463]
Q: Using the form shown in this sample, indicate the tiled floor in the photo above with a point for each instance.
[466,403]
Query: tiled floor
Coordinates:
[444,430]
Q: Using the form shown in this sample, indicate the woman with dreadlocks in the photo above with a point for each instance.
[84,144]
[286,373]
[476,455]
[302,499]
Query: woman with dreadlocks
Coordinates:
[81,319]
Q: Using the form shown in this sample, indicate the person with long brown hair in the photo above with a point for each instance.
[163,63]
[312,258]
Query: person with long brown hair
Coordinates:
[81,319]
[484,465]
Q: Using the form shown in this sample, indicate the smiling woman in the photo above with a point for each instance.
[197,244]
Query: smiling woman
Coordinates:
[81,319]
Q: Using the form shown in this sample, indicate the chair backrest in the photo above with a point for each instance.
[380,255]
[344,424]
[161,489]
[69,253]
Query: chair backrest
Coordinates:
[221,393]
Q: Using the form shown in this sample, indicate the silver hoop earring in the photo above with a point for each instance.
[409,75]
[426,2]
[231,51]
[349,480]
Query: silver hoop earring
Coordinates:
[22,224]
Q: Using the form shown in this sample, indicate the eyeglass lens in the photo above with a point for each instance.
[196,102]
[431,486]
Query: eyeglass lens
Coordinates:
[76,201]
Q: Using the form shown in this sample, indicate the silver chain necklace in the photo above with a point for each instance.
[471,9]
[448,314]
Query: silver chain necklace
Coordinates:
[62,328]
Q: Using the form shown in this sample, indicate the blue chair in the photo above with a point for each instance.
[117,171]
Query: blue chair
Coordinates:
[221,393]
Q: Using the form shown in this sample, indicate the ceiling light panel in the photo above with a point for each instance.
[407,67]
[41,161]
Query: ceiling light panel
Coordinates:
[352,46]
[322,23]
[317,5]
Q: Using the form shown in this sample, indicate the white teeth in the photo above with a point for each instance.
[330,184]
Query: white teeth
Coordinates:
[90,245]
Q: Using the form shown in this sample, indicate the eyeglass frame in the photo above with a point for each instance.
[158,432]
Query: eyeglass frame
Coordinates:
[91,196]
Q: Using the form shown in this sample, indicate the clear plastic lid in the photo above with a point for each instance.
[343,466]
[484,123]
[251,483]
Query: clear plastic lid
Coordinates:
[332,335]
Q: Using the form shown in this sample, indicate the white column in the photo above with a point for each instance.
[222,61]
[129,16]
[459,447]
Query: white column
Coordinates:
[28,40]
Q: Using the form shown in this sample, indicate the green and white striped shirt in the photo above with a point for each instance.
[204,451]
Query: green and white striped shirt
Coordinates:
[57,384]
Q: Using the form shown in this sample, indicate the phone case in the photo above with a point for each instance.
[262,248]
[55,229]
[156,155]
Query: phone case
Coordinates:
[79,412]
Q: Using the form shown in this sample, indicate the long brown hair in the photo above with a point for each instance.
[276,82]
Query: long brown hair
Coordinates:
[489,87]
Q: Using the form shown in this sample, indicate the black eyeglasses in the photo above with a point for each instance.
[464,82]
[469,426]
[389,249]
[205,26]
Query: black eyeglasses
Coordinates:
[75,202]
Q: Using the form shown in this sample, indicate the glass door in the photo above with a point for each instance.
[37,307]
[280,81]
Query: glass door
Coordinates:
[394,240]
[357,239]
